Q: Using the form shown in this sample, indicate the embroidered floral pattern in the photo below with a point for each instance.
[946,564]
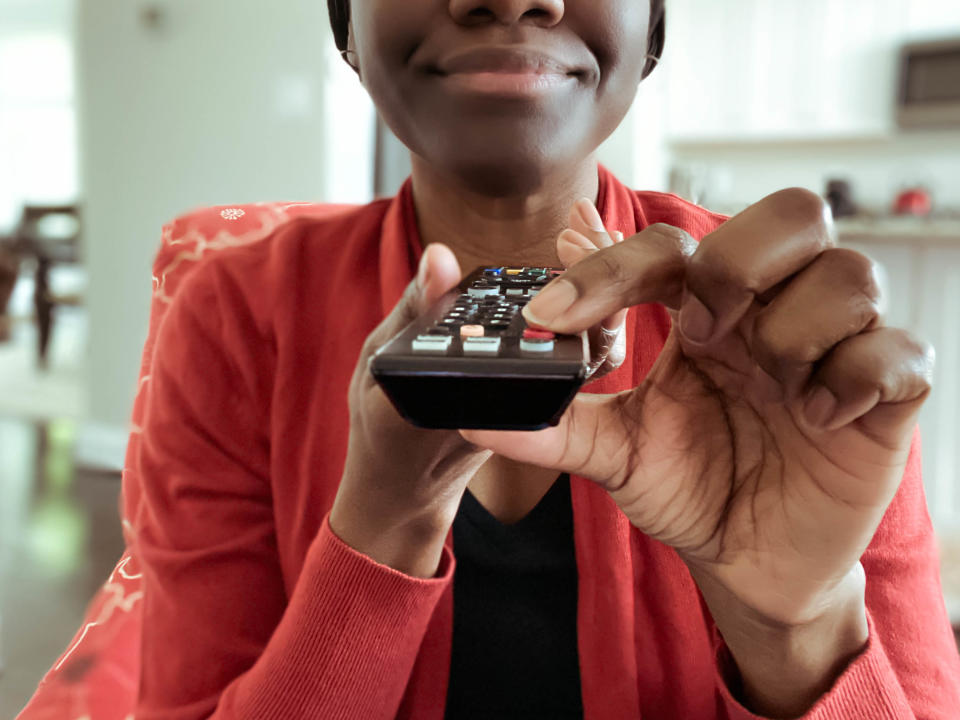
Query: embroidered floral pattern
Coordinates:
[232,213]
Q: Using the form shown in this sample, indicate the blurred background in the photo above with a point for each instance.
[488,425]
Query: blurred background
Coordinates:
[118,115]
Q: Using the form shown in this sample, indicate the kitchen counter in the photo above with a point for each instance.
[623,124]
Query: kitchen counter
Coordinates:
[933,231]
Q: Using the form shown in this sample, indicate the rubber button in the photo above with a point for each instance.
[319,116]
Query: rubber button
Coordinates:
[484,345]
[538,334]
[540,345]
[432,343]
[471,331]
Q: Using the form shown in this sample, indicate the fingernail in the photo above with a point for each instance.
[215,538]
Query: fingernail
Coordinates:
[589,215]
[820,406]
[423,271]
[555,299]
[696,321]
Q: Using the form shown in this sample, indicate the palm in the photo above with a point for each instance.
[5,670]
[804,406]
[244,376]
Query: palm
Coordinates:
[732,479]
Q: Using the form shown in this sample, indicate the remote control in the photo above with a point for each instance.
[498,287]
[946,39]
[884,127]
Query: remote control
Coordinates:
[472,361]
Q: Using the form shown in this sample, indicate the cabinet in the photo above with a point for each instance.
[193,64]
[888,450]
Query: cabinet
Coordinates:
[790,69]
[922,278]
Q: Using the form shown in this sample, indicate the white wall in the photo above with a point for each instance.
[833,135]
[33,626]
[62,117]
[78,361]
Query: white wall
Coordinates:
[221,103]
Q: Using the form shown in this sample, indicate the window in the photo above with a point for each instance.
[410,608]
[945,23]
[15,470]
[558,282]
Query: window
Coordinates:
[38,137]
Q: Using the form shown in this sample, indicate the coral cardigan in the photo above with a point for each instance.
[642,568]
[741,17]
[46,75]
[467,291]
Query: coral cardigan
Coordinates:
[253,608]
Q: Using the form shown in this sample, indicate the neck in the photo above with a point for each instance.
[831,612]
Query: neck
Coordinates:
[512,230]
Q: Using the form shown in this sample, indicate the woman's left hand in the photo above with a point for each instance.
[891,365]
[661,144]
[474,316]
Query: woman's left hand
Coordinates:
[768,439]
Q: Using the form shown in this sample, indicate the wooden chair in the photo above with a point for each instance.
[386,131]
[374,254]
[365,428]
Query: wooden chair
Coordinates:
[32,239]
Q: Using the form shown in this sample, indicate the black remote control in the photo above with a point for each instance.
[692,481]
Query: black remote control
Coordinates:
[472,362]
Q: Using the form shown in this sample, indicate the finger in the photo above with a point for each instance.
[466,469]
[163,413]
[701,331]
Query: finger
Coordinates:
[608,350]
[608,346]
[590,440]
[879,378]
[437,273]
[573,246]
[836,297]
[747,256]
[648,267]
[586,220]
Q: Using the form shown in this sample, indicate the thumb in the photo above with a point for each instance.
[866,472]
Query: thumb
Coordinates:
[437,273]
[591,440]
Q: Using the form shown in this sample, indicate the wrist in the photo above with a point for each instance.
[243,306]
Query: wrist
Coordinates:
[782,669]
[411,543]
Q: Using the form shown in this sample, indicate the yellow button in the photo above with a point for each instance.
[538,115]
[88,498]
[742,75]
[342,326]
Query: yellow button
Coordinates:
[514,271]
[471,331]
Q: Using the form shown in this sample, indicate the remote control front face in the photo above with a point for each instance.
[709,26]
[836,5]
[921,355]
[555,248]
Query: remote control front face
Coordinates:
[472,362]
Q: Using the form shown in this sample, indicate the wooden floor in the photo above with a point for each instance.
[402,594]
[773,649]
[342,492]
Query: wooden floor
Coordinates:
[59,539]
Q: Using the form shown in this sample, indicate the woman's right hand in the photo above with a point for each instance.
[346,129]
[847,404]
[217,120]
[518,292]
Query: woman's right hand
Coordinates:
[401,484]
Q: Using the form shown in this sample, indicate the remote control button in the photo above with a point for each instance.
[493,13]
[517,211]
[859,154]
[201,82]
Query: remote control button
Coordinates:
[481,345]
[493,272]
[538,334]
[452,322]
[484,292]
[471,331]
[514,271]
[432,343]
[540,345]
[515,291]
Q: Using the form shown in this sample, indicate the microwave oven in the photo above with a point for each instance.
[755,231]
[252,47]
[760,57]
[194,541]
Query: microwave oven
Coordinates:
[929,94]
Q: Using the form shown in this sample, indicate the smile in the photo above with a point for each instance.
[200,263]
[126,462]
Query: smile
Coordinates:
[509,84]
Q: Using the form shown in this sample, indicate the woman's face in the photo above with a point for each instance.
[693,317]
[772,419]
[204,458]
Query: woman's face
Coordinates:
[501,93]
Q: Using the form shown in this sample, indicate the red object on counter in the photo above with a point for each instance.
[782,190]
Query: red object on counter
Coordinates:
[915,201]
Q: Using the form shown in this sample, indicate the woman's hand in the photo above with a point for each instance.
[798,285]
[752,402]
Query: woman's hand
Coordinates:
[767,440]
[401,484]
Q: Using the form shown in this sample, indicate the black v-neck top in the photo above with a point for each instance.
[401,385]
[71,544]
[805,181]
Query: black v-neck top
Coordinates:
[515,613]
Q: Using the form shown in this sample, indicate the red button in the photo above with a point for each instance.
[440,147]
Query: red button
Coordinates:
[537,334]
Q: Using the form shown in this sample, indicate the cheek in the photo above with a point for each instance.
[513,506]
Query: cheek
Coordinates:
[618,35]
[616,32]
[385,32]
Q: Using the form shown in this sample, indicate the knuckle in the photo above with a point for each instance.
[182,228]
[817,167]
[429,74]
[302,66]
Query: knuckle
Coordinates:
[921,355]
[802,205]
[853,269]
[805,212]
[674,237]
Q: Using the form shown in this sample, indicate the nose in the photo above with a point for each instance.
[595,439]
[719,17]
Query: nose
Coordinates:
[544,13]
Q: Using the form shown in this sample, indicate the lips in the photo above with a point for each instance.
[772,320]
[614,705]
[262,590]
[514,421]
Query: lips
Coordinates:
[504,60]
[511,72]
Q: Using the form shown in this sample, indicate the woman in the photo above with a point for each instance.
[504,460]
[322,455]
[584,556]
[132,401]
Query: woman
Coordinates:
[725,547]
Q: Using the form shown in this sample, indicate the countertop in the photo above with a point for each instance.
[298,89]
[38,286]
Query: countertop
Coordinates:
[934,230]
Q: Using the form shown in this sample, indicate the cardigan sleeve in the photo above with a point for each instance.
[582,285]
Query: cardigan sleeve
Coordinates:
[910,667]
[221,638]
